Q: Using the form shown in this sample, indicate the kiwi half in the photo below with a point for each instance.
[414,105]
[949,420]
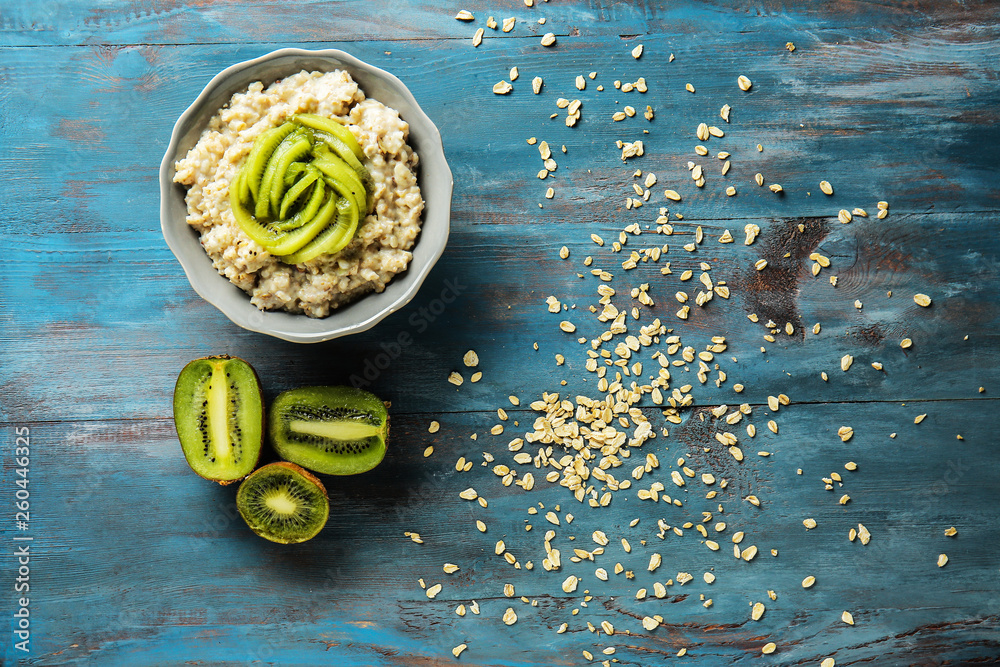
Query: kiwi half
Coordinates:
[332,430]
[283,503]
[219,417]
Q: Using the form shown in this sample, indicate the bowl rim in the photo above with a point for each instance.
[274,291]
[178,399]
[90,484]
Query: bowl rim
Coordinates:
[257,320]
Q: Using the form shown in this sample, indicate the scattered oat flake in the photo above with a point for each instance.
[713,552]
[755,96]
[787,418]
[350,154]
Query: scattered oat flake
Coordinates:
[922,300]
[654,562]
[457,651]
[433,591]
[768,648]
[464,15]
[919,418]
[744,83]
[456,379]
[951,532]
[688,87]
[502,88]
[471,359]
[428,451]
[942,560]
[847,617]
[434,427]
[477,39]
[828,662]
[548,39]
[808,581]
[509,617]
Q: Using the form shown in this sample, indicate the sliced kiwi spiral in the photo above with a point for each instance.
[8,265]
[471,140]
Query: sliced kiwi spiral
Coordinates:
[303,190]
[283,503]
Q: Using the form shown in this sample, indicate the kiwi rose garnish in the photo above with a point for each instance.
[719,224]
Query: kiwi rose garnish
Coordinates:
[302,190]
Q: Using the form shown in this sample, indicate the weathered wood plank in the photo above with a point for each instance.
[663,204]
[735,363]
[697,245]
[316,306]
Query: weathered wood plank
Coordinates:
[813,122]
[133,512]
[106,339]
[97,329]
[191,21]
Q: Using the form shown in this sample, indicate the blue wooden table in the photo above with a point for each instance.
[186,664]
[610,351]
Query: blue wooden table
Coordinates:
[124,557]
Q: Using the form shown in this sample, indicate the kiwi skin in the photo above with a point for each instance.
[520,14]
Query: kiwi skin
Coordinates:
[182,412]
[257,526]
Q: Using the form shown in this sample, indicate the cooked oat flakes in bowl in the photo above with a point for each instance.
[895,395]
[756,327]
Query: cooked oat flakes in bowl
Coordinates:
[305,194]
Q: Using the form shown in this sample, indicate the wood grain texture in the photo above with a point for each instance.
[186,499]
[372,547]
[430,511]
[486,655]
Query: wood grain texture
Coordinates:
[192,575]
[138,562]
[128,22]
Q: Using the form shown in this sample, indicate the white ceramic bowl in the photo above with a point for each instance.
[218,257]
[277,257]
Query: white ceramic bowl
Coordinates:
[434,178]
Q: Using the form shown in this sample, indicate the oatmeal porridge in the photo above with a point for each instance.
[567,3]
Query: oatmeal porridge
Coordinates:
[380,247]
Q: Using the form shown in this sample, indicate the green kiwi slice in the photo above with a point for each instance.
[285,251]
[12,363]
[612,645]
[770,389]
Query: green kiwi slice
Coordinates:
[332,430]
[219,417]
[308,154]
[283,503]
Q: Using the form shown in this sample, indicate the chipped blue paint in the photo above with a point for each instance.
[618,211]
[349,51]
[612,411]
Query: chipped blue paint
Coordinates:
[138,562]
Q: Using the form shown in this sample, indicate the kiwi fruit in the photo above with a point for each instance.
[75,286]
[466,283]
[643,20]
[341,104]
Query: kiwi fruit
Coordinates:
[219,417]
[283,503]
[331,430]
